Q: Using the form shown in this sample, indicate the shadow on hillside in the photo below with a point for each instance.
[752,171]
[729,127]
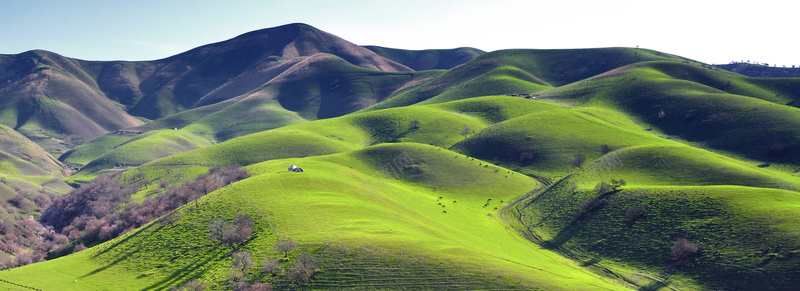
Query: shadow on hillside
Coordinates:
[193,270]
[115,245]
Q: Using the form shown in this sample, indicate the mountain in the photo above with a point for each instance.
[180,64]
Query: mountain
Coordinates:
[45,95]
[579,169]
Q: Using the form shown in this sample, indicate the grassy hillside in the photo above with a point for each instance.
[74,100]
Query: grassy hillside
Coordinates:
[740,217]
[329,202]
[699,105]
[138,150]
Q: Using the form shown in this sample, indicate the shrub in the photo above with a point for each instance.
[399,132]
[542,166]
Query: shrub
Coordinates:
[683,251]
[635,212]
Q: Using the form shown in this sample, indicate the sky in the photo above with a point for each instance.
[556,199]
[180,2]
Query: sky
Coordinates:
[714,32]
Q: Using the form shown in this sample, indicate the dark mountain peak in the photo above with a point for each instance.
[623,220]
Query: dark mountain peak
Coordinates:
[288,42]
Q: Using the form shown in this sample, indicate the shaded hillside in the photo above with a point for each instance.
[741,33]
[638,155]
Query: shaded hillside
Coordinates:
[44,95]
[441,59]
[761,71]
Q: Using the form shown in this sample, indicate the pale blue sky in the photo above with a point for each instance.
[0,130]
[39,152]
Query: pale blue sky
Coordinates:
[707,31]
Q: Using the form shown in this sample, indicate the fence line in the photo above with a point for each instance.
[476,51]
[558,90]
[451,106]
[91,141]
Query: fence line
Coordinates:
[20,285]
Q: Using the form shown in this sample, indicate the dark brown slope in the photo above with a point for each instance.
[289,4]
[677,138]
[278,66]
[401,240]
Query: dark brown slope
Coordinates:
[44,95]
[48,97]
[179,82]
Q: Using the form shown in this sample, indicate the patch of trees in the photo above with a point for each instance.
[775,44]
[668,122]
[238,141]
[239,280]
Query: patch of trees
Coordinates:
[231,235]
[23,240]
[99,211]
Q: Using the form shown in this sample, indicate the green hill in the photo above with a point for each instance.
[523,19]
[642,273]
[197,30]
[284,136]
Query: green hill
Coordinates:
[740,218]
[329,202]
[746,119]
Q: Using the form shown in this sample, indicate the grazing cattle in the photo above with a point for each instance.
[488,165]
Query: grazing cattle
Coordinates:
[455,201]
[490,199]
[501,201]
[442,205]
[485,166]
[506,176]
[440,198]
[495,208]
[445,212]
[484,206]
[439,203]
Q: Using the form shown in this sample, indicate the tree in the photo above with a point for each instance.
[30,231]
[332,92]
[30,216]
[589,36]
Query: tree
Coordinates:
[171,217]
[414,124]
[684,251]
[244,227]
[578,160]
[242,261]
[285,246]
[465,131]
[303,269]
[271,266]
[217,228]
[225,233]
[604,149]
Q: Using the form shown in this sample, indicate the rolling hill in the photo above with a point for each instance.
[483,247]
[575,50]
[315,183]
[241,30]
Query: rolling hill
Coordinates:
[579,169]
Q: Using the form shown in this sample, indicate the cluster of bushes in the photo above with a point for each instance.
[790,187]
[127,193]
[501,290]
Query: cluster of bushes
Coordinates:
[301,272]
[99,211]
[23,240]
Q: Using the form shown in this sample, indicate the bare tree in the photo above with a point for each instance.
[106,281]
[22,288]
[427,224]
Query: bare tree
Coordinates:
[242,261]
[170,218]
[285,246]
[414,124]
[303,269]
[465,131]
[271,266]
[578,160]
[217,228]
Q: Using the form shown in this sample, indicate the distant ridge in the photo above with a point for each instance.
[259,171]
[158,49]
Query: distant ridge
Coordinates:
[434,59]
[761,71]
